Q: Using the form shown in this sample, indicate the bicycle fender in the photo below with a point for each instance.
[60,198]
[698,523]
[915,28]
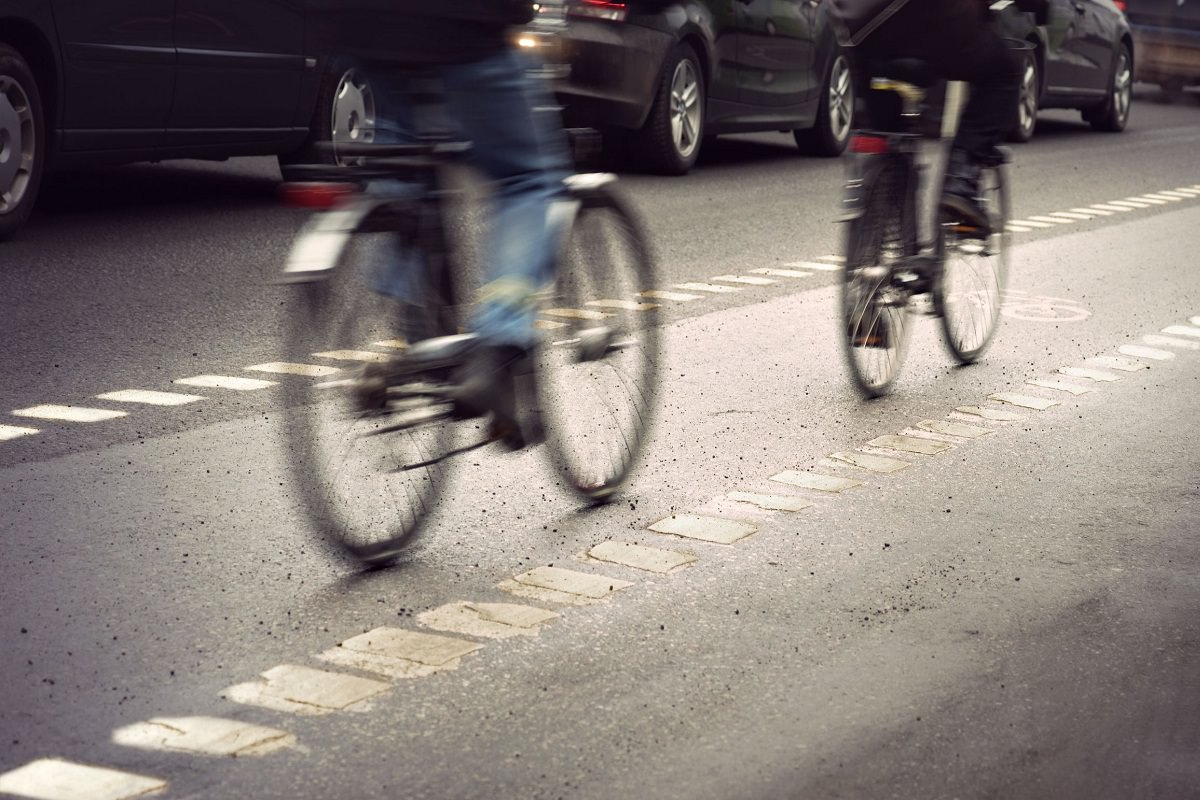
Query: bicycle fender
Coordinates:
[863,172]
[319,245]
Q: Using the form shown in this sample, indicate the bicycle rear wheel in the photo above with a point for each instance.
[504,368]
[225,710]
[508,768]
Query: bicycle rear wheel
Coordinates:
[874,305]
[974,273]
[368,478]
[599,363]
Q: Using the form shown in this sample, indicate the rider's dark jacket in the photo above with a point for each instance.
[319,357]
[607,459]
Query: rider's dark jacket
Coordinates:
[417,32]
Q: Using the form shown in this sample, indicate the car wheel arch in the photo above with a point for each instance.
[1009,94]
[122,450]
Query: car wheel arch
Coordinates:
[31,42]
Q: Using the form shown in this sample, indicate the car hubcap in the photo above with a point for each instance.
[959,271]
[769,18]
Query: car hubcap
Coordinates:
[353,110]
[685,109]
[1028,104]
[841,99]
[1122,87]
[17,142]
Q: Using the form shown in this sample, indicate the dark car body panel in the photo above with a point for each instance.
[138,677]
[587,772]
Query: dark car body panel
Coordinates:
[1167,33]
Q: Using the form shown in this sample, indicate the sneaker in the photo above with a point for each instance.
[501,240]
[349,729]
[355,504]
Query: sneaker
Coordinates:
[497,380]
[960,195]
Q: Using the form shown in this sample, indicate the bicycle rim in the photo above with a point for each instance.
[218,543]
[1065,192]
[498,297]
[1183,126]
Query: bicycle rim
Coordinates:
[874,309]
[974,274]
[368,480]
[600,359]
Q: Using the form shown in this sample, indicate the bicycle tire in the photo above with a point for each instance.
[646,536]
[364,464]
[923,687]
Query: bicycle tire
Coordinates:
[368,489]
[599,362]
[874,313]
[968,292]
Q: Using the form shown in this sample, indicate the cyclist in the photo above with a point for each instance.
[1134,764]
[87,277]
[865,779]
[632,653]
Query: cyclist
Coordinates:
[956,40]
[517,143]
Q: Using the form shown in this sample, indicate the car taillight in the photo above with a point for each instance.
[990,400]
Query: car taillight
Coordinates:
[315,195]
[868,145]
[598,9]
[1120,4]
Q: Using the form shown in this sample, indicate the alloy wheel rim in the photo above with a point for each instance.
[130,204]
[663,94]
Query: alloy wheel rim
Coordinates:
[1122,87]
[685,109]
[1028,104]
[841,99]
[353,118]
[17,144]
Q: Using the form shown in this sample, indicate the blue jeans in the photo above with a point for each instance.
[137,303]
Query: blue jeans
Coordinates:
[517,143]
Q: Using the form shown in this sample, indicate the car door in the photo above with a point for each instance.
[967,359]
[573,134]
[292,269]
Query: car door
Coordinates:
[776,55]
[118,72]
[1095,37]
[1065,56]
[241,64]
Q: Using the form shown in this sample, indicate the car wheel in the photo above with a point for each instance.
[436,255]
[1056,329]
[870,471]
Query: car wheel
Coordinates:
[22,138]
[835,114]
[345,112]
[669,142]
[1027,101]
[1113,115]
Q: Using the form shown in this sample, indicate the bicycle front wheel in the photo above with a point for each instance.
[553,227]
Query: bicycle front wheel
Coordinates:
[974,273]
[599,365]
[873,304]
[368,472]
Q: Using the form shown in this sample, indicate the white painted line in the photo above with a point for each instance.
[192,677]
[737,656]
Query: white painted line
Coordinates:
[1170,341]
[994,414]
[1144,199]
[624,305]
[398,653]
[1016,228]
[678,297]
[817,265]
[1113,362]
[870,462]
[1023,401]
[1025,223]
[1177,194]
[749,280]
[354,355]
[1163,197]
[781,273]
[150,398]
[55,779]
[1093,212]
[548,324]
[204,736]
[707,287]
[1052,220]
[584,584]
[575,313]
[224,382]
[1128,204]
[1137,351]
[1189,192]
[1090,374]
[770,502]
[832,259]
[1183,330]
[1061,386]
[303,690]
[392,344]
[9,432]
[69,413]
[286,368]
[816,481]
[636,556]
[1194,320]
[706,529]
[954,428]
[910,444]
[1110,207]
[488,620]
[1073,215]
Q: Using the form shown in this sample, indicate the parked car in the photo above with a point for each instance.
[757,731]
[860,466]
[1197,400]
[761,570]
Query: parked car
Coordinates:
[1167,35]
[86,82]
[665,75]
[1082,58]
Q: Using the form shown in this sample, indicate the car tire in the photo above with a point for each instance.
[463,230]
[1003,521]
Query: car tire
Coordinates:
[345,112]
[1113,115]
[22,141]
[669,141]
[835,113]
[1027,99]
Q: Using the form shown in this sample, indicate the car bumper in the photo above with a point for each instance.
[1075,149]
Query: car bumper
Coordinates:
[614,73]
[1166,54]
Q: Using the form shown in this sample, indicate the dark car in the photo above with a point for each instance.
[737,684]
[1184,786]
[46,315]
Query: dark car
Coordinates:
[1081,58]
[1167,34]
[664,76]
[86,82]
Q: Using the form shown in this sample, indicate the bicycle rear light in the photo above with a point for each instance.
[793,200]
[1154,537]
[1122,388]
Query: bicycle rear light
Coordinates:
[599,9]
[315,195]
[868,144]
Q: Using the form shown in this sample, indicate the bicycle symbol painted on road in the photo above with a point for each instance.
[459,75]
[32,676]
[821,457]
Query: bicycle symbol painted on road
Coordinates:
[1042,308]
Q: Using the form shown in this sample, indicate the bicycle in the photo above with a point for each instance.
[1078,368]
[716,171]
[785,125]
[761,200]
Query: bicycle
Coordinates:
[370,452]
[888,262]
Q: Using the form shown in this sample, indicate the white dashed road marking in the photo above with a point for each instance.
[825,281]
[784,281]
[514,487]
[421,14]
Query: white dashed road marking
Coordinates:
[703,528]
[307,691]
[636,556]
[225,382]
[488,620]
[679,297]
[69,413]
[1170,341]
[871,462]
[1023,401]
[1112,362]
[398,653]
[150,398]
[707,287]
[204,736]
[749,280]
[781,273]
[1111,207]
[815,481]
[1151,353]
[624,305]
[1183,330]
[816,265]
[8,432]
[770,502]
[1061,386]
[286,368]
[1090,374]
[54,779]
[573,587]
[354,355]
